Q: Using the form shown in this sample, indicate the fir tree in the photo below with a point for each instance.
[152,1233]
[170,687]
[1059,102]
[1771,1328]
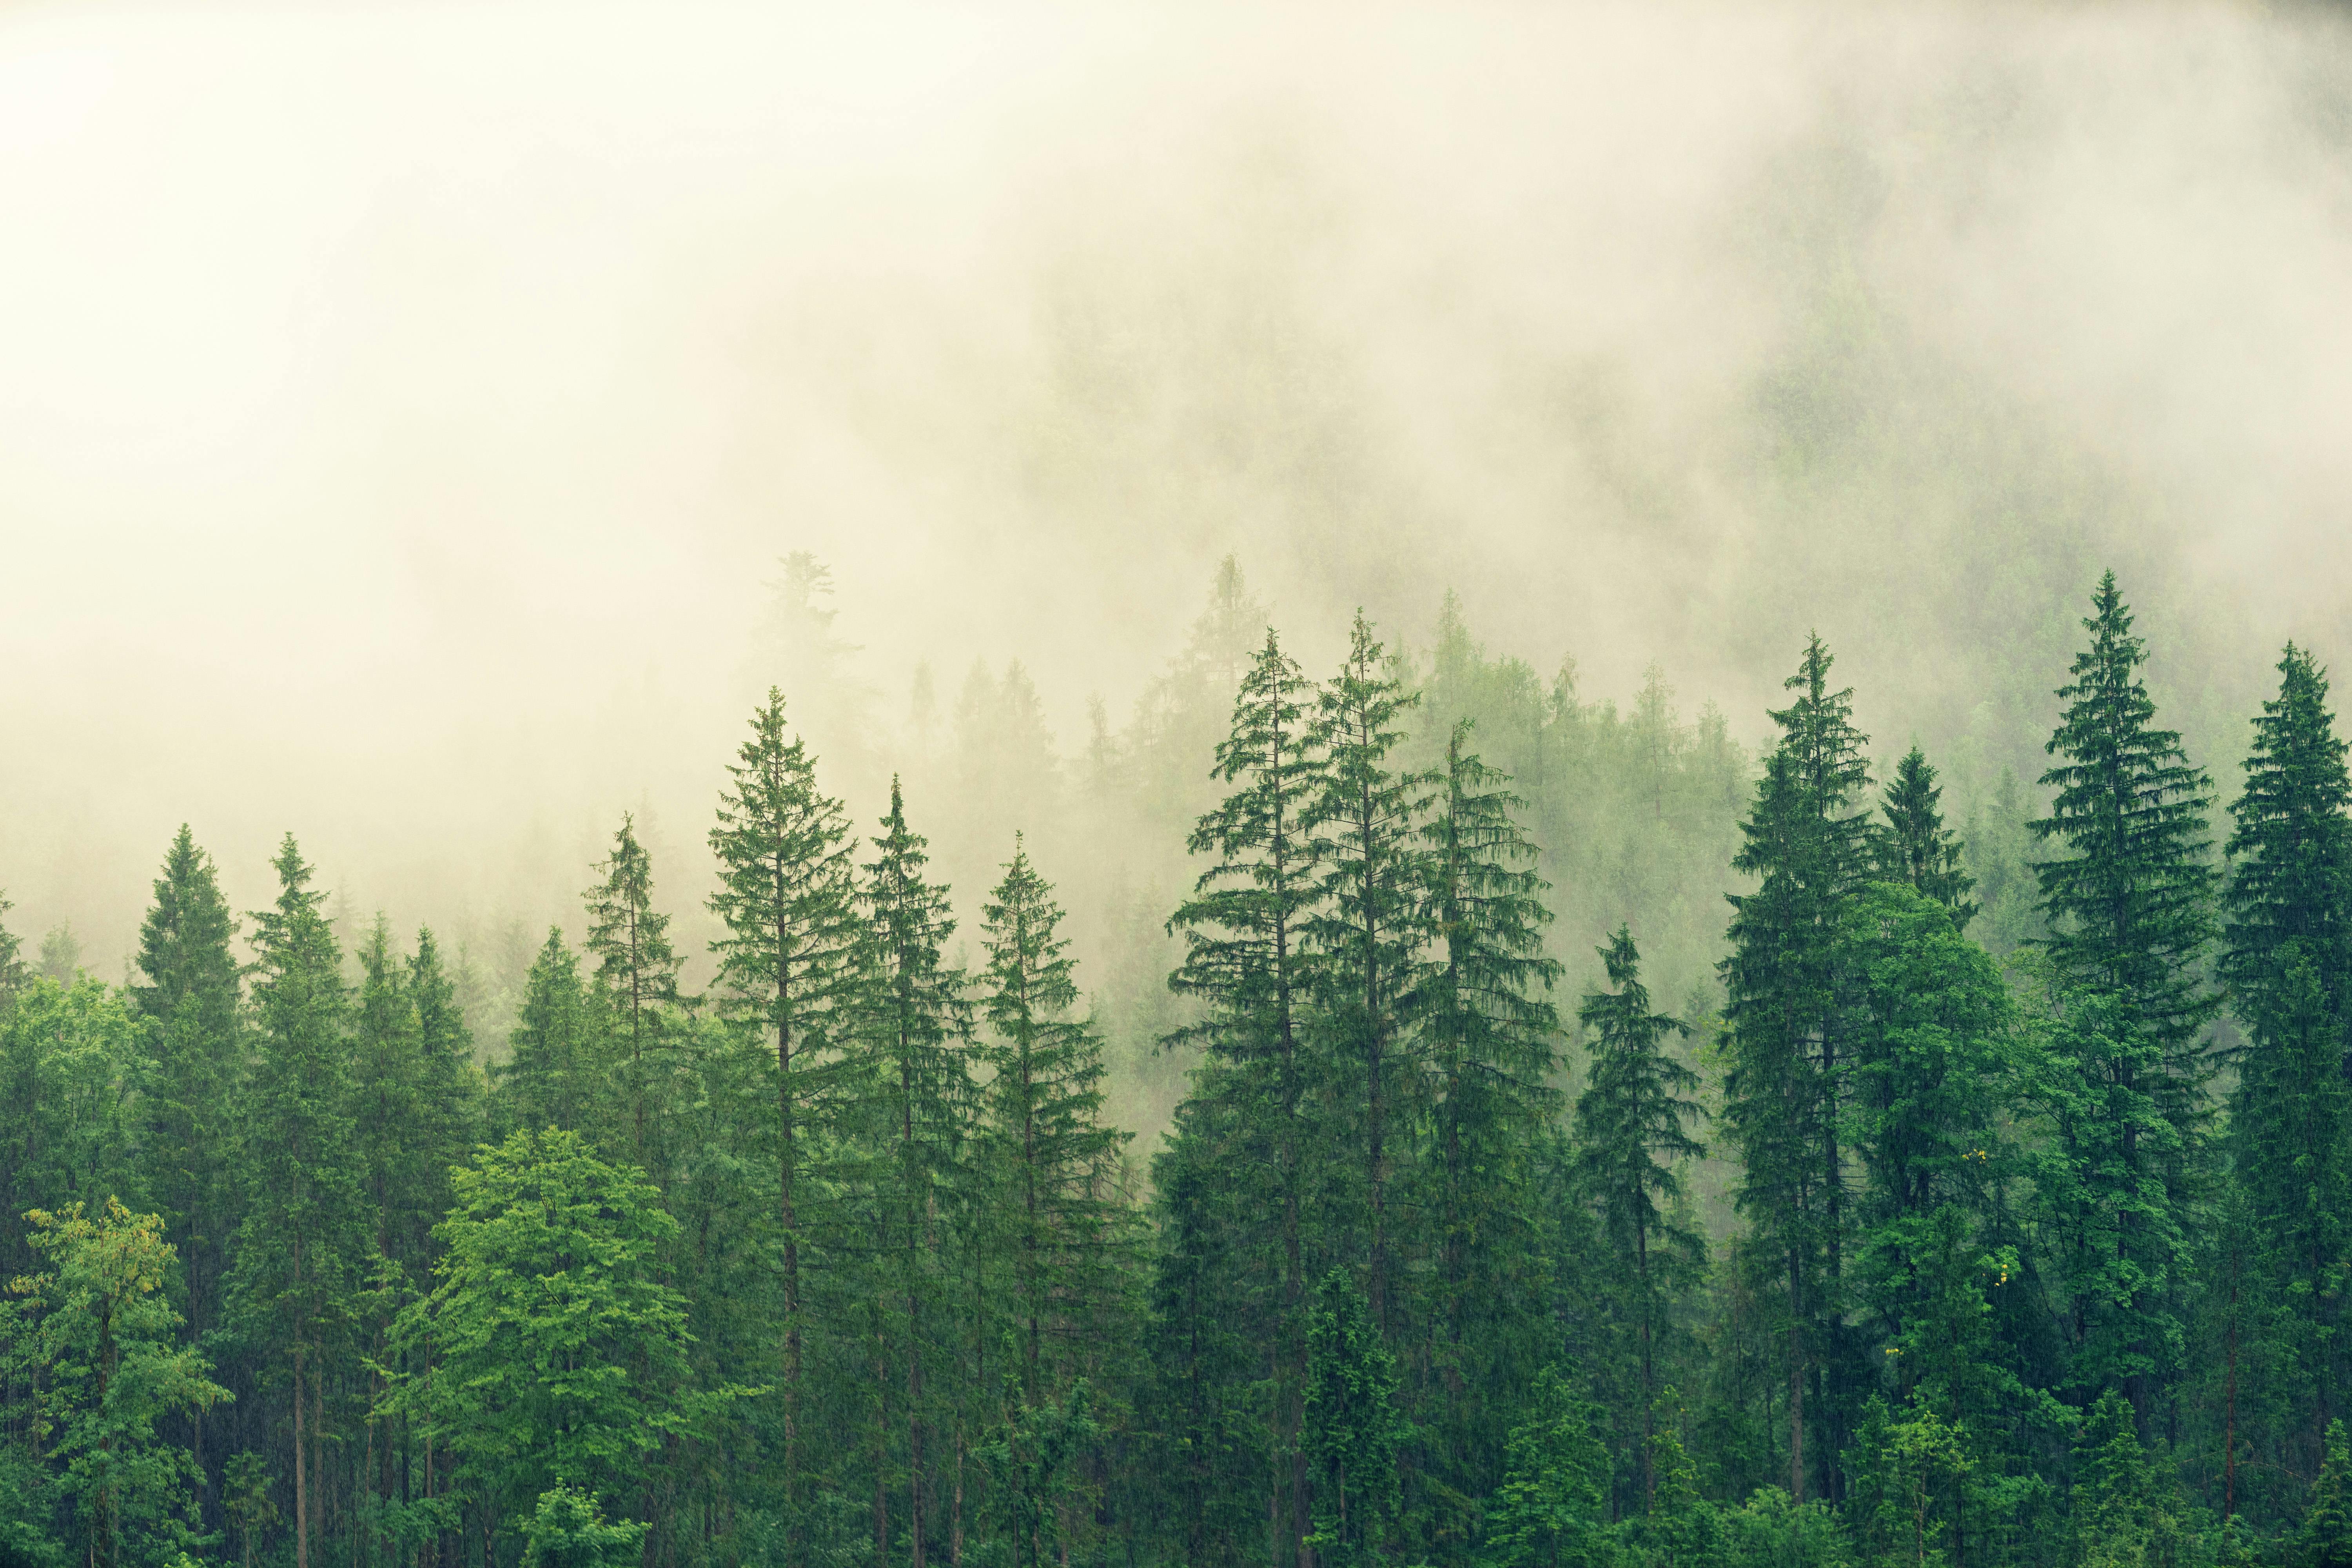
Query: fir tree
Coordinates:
[2325,1538]
[190,998]
[635,968]
[1807,842]
[1488,1040]
[1057,1158]
[2129,902]
[1915,847]
[13,973]
[1633,1115]
[1548,1511]
[2288,954]
[552,1077]
[786,899]
[911,1032]
[1243,930]
[301,1240]
[1371,930]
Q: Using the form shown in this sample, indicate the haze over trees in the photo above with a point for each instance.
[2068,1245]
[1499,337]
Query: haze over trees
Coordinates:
[1576,1140]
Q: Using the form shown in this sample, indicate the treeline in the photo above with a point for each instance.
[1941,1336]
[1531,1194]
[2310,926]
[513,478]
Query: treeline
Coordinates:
[2035,1260]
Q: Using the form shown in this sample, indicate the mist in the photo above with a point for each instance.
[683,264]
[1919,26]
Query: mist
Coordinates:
[404,408]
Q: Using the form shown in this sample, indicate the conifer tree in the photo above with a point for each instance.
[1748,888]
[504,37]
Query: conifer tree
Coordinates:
[912,1031]
[13,974]
[2128,896]
[1354,1429]
[1633,1115]
[190,998]
[2325,1538]
[554,1076]
[1056,1157]
[1490,1045]
[787,900]
[1548,1511]
[1808,841]
[1915,847]
[636,970]
[2288,954]
[301,1241]
[1245,928]
[2129,901]
[1366,823]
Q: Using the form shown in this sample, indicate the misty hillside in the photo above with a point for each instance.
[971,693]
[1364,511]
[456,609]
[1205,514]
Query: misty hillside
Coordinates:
[1512,786]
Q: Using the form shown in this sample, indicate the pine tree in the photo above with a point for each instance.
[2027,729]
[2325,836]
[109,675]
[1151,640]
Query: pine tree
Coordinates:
[787,900]
[554,1076]
[1634,1114]
[195,1042]
[1915,846]
[299,1249]
[1488,1042]
[2129,897]
[1244,930]
[2288,954]
[912,1031]
[2129,902]
[2325,1538]
[1045,1121]
[1807,842]
[1366,825]
[636,970]
[13,974]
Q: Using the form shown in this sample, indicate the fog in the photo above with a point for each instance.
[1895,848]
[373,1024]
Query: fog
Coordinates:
[403,407]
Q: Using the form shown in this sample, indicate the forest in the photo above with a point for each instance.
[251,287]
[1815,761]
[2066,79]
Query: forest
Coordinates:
[1883,1187]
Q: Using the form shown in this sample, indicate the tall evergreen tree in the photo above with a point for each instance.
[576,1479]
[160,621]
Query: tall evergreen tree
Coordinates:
[13,973]
[1245,928]
[1370,933]
[911,1034]
[1354,1429]
[190,998]
[1488,1042]
[786,898]
[2129,899]
[636,970]
[1915,847]
[2288,954]
[554,1075]
[1045,1119]
[1633,1116]
[1808,841]
[302,1240]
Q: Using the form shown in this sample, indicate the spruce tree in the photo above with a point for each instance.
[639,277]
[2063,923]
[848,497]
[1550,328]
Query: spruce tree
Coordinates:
[1915,847]
[786,898]
[2128,896]
[1369,934]
[637,971]
[1058,1158]
[2288,954]
[1631,1116]
[910,1035]
[1245,963]
[302,1240]
[13,973]
[1488,1038]
[1808,841]
[552,1076]
[2129,902]
[195,1043]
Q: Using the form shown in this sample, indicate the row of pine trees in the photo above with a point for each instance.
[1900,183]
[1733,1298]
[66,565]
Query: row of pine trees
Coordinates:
[2037,1259]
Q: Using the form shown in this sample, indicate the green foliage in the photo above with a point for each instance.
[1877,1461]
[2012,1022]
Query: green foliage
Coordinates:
[96,1328]
[2325,1538]
[567,1529]
[1353,1427]
[636,972]
[1550,1510]
[557,1354]
[1032,1460]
